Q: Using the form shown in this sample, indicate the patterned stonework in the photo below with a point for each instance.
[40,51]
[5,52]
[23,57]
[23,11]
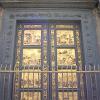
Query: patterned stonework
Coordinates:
[42,14]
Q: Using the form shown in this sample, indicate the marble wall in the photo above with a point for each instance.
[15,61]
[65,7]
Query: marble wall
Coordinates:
[1,19]
[98,31]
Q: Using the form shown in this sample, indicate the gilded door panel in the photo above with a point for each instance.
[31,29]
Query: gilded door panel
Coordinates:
[47,47]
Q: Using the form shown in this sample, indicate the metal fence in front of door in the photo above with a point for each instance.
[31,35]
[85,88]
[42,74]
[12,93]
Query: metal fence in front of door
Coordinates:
[69,84]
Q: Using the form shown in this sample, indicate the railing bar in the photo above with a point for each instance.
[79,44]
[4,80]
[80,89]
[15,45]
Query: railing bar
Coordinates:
[3,71]
[66,96]
[23,77]
[18,81]
[77,83]
[72,85]
[9,79]
[14,77]
[33,85]
[62,87]
[67,84]
[93,84]
[86,79]
[38,84]
[56,96]
[90,69]
[96,83]
[27,95]
[24,80]
[38,77]
[4,82]
[62,82]
[28,81]
[89,82]
[38,95]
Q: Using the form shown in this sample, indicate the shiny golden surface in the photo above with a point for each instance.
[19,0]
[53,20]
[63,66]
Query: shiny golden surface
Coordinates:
[68,96]
[32,37]
[32,26]
[67,80]
[31,57]
[66,57]
[65,37]
[65,26]
[30,96]
[30,80]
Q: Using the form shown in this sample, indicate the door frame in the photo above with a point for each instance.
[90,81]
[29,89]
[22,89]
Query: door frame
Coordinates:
[49,51]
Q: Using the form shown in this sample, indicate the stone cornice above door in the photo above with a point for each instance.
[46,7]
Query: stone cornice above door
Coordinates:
[48,3]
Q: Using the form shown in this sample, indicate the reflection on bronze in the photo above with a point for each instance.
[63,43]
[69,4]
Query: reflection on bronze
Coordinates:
[68,96]
[32,37]
[30,80]
[31,57]
[65,37]
[30,96]
[67,80]
[66,57]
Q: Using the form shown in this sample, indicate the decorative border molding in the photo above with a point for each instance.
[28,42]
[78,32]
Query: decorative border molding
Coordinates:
[42,14]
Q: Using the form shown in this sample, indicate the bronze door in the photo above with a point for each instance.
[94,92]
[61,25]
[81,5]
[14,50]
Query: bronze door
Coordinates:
[47,47]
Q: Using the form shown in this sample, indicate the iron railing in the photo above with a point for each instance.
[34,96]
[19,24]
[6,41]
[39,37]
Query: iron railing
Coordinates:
[67,83]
